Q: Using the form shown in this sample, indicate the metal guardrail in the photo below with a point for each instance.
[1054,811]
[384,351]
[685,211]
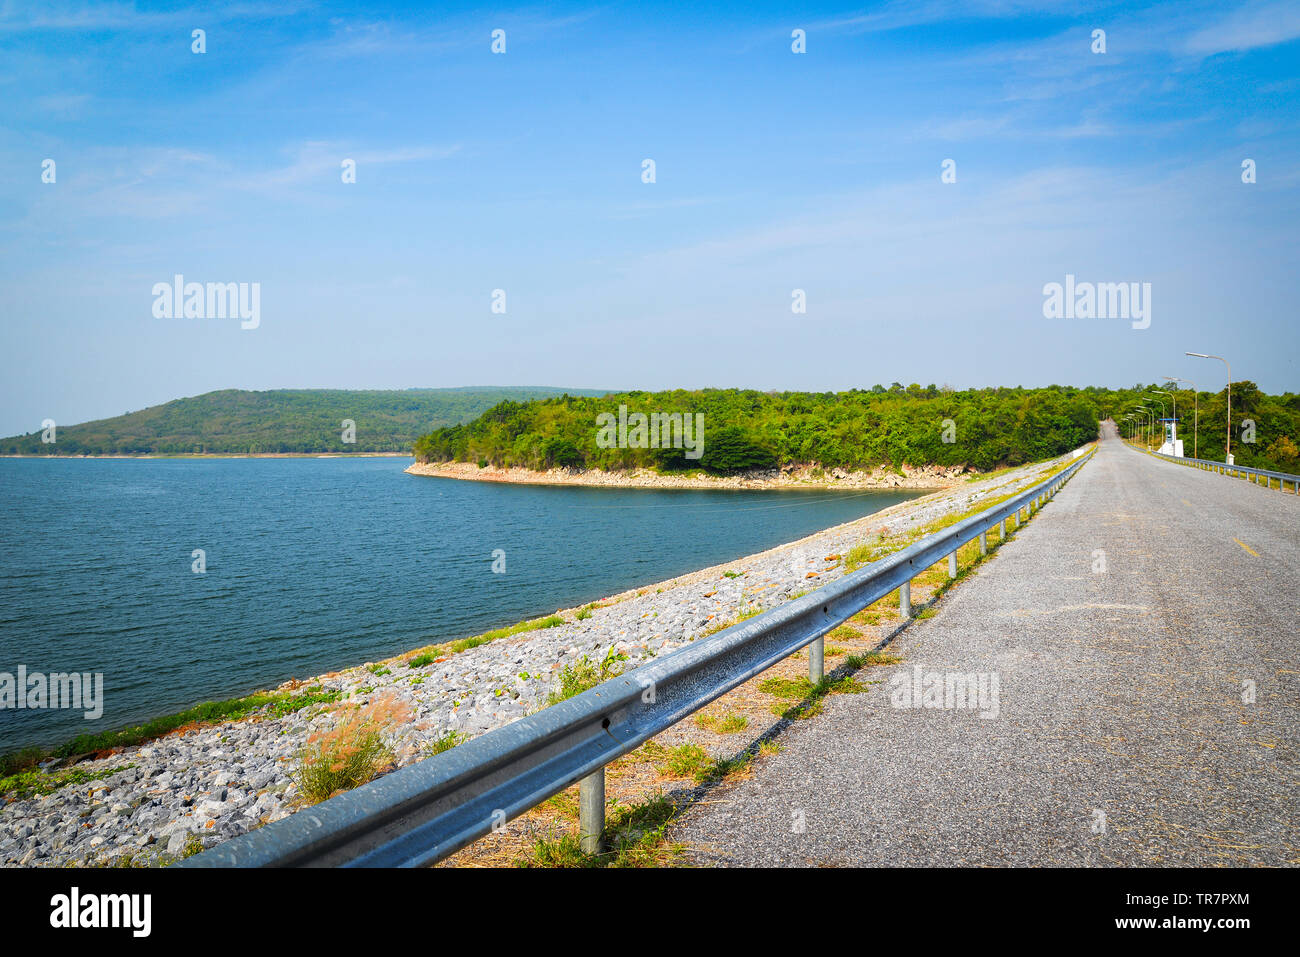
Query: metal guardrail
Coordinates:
[425,811]
[1251,475]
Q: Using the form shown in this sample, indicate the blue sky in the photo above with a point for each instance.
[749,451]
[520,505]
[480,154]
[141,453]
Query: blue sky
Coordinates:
[521,171]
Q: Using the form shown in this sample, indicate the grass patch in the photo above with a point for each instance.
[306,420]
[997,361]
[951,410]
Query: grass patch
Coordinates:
[786,687]
[729,724]
[31,783]
[635,836]
[550,621]
[584,674]
[811,697]
[350,753]
[873,659]
[858,555]
[445,742]
[433,652]
[276,705]
[692,761]
[682,761]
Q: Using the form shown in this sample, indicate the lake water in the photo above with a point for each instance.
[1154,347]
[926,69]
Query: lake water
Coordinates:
[320,564]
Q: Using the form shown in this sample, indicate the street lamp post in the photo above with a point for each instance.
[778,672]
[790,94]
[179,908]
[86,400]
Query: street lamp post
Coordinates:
[1227,447]
[1150,425]
[1196,411]
[1146,425]
[1172,398]
[1162,414]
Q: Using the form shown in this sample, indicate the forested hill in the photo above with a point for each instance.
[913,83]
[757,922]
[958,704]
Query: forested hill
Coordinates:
[234,421]
[914,425]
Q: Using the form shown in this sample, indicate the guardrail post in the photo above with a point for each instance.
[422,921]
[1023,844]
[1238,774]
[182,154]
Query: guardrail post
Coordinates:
[1002,530]
[905,600]
[952,564]
[817,660]
[591,811]
[984,542]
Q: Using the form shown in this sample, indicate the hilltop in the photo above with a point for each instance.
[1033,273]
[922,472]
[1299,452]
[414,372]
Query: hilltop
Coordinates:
[302,421]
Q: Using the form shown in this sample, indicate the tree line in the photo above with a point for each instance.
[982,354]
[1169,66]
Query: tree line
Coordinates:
[914,425]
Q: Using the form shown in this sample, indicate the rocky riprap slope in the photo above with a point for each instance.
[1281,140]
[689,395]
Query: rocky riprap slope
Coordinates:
[216,782]
[786,477]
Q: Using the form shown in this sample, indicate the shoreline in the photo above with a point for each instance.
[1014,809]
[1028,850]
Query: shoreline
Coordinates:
[790,477]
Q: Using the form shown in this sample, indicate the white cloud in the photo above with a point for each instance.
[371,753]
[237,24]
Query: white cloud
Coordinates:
[1259,25]
[320,161]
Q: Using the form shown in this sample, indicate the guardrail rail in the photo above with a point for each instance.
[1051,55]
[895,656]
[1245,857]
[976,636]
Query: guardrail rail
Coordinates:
[1241,471]
[425,811]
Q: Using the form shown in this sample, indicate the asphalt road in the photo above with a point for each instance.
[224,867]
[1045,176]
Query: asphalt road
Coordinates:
[1123,734]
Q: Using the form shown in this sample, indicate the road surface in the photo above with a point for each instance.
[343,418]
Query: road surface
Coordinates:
[1126,627]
